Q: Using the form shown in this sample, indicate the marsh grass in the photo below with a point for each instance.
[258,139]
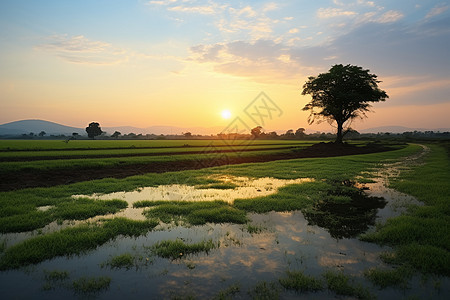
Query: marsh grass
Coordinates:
[195,213]
[56,275]
[218,186]
[179,249]
[421,238]
[228,292]
[298,281]
[88,285]
[383,278]
[265,291]
[84,208]
[70,241]
[345,285]
[126,261]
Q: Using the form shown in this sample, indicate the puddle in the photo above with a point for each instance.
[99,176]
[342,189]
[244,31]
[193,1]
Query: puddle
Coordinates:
[246,188]
[397,202]
[45,208]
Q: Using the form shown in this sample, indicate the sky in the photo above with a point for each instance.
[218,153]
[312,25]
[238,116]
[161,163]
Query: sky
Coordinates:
[184,62]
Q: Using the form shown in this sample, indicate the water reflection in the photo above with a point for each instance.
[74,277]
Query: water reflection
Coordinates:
[246,188]
[348,219]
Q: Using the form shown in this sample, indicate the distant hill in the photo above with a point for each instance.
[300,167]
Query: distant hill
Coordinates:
[52,128]
[399,129]
[36,126]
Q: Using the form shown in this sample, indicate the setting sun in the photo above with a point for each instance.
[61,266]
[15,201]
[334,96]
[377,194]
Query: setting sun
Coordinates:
[226,114]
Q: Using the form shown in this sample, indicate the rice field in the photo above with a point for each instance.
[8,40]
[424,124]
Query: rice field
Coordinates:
[290,228]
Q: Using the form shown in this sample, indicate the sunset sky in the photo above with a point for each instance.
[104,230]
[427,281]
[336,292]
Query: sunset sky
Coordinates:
[183,62]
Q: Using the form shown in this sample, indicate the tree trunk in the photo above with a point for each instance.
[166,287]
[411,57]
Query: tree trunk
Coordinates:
[339,133]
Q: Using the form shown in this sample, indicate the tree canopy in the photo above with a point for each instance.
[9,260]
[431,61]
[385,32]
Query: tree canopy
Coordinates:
[342,94]
[93,130]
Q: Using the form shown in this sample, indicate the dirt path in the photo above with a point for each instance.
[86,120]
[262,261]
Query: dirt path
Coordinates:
[27,179]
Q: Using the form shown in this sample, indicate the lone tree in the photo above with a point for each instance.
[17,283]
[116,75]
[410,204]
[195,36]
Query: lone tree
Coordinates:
[342,94]
[93,130]
[116,134]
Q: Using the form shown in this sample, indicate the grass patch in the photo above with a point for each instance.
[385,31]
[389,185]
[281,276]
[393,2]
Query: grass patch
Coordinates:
[421,238]
[178,249]
[228,293]
[70,241]
[121,261]
[218,186]
[87,285]
[344,285]
[84,208]
[265,291]
[195,213]
[56,275]
[387,278]
[301,282]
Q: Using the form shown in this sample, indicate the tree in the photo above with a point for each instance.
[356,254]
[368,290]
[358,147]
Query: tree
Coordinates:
[187,135]
[93,130]
[342,94]
[289,134]
[115,134]
[300,133]
[42,133]
[256,132]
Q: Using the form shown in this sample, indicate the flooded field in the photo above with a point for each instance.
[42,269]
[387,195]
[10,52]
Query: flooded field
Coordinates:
[254,259]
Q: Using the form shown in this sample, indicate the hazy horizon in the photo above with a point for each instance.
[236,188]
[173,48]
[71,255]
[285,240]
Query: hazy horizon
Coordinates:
[201,63]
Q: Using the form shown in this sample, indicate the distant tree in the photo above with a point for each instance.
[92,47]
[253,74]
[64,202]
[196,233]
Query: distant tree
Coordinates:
[342,94]
[256,132]
[42,133]
[93,130]
[31,134]
[289,134]
[187,134]
[272,135]
[115,134]
[350,133]
[75,135]
[300,133]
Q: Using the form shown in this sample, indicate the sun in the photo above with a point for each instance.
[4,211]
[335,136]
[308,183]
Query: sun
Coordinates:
[226,114]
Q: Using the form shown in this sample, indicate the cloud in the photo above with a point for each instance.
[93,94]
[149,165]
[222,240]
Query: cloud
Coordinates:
[390,16]
[79,49]
[437,10]
[204,10]
[388,49]
[325,13]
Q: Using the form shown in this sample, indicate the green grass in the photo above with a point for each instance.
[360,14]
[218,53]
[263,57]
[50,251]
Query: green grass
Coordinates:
[345,285]
[195,213]
[389,277]
[85,163]
[228,293]
[70,241]
[265,291]
[126,261]
[84,208]
[178,249]
[87,285]
[33,145]
[298,281]
[56,275]
[421,238]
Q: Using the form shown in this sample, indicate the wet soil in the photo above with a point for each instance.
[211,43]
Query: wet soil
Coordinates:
[28,179]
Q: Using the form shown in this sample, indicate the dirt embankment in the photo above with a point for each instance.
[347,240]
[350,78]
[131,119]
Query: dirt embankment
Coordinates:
[27,179]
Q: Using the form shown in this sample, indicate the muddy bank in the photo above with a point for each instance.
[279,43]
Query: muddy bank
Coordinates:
[27,179]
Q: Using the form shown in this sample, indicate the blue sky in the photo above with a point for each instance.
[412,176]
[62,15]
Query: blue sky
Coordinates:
[181,62]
